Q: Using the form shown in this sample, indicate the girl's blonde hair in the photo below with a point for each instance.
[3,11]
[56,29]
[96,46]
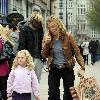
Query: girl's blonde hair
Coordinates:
[29,60]
[57,20]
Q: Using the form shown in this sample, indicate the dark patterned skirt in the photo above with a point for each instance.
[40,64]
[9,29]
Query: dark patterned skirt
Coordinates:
[23,96]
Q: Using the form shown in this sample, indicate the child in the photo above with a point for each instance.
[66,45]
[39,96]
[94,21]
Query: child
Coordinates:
[22,80]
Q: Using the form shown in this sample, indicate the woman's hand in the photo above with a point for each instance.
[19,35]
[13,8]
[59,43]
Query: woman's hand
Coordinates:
[81,72]
[47,38]
[83,68]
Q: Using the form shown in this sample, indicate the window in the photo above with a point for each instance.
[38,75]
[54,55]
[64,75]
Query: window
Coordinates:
[81,25]
[70,4]
[81,9]
[60,13]
[70,17]
[60,4]
[93,32]
[61,17]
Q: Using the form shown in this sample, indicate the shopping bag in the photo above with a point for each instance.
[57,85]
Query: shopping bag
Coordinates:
[87,89]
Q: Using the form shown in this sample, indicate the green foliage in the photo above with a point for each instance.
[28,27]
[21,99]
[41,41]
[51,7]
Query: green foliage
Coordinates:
[93,14]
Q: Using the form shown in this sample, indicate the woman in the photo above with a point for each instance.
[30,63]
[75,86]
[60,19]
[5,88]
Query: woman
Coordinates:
[60,47]
[4,67]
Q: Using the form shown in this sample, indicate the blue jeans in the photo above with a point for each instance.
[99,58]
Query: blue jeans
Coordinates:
[38,71]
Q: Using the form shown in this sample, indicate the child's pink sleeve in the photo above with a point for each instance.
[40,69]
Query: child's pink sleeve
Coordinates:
[35,84]
[10,82]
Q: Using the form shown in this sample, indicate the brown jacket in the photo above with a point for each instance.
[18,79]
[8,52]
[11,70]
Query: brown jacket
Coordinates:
[70,50]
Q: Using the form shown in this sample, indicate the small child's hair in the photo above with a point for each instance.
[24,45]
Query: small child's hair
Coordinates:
[29,60]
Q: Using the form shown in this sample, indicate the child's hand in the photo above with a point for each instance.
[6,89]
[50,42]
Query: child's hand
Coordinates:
[37,97]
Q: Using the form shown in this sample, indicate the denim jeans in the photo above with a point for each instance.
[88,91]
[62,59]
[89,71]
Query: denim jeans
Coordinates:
[38,71]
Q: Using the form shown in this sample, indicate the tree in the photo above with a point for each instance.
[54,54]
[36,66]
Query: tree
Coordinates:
[93,14]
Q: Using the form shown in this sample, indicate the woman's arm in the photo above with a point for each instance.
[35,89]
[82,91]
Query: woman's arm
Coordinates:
[78,55]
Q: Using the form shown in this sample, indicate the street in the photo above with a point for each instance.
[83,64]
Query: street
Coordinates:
[91,70]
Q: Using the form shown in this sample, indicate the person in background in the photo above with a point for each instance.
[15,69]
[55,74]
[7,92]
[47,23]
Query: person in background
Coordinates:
[14,37]
[22,80]
[92,49]
[4,66]
[85,46]
[30,38]
[98,51]
[60,47]
[81,49]
[12,31]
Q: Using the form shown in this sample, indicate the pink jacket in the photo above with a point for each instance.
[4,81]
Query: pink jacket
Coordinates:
[22,80]
[4,67]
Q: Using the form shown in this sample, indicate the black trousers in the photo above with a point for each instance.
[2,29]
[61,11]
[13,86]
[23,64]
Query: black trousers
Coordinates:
[23,96]
[85,57]
[93,58]
[55,74]
[3,86]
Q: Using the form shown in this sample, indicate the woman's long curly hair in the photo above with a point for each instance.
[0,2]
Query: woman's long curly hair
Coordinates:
[29,60]
[60,24]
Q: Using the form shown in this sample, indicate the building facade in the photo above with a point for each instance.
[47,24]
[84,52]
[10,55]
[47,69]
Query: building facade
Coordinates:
[73,14]
[25,7]
[61,10]
[3,10]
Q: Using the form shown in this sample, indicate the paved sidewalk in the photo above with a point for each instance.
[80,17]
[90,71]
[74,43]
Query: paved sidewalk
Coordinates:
[44,86]
[91,70]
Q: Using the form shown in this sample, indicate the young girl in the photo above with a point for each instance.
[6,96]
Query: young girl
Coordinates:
[22,80]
